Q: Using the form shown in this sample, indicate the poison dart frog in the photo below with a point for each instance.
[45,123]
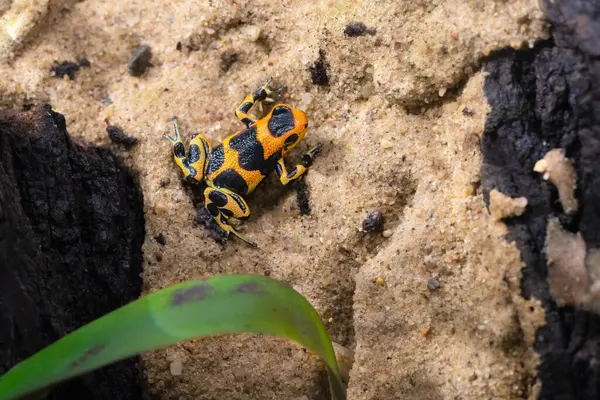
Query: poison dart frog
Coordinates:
[235,167]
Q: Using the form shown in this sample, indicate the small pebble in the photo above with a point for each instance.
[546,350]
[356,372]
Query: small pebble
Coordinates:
[318,71]
[306,100]
[358,29]
[386,144]
[83,62]
[140,60]
[355,29]
[159,209]
[433,284]
[541,166]
[373,222]
[176,368]
[251,32]
[238,372]
[345,359]
[387,233]
[559,170]
[516,44]
[467,112]
[67,69]
[379,281]
[160,239]
[425,331]
[158,256]
[468,190]
[302,197]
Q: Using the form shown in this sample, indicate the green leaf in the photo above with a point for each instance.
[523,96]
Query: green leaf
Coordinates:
[190,310]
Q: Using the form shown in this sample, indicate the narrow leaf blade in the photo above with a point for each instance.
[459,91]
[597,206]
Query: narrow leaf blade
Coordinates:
[190,310]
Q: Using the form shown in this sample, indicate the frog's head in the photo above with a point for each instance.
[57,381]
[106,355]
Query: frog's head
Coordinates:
[287,124]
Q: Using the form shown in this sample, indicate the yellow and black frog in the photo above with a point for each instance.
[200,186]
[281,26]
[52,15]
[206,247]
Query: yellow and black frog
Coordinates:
[235,167]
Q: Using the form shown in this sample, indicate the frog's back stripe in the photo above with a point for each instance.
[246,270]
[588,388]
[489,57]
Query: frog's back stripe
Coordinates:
[194,155]
[217,158]
[231,180]
[251,154]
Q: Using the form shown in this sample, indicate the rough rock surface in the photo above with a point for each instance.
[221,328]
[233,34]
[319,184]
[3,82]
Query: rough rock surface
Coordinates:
[71,230]
[543,99]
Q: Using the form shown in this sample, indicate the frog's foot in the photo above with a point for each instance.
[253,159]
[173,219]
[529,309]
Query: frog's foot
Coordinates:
[309,157]
[195,164]
[224,204]
[241,112]
[177,138]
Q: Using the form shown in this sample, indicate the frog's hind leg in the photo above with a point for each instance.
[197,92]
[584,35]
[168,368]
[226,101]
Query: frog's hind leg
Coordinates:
[224,204]
[241,112]
[195,164]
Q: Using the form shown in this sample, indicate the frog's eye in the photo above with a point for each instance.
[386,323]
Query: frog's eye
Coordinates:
[280,110]
[281,121]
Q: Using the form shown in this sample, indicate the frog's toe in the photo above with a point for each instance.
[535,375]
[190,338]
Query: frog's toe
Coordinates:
[169,138]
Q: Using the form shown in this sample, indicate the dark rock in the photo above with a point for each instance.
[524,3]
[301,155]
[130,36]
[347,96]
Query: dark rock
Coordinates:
[433,284]
[318,71]
[355,29]
[83,62]
[467,112]
[302,197]
[373,222]
[140,60]
[69,68]
[116,135]
[541,99]
[204,218]
[358,29]
[71,231]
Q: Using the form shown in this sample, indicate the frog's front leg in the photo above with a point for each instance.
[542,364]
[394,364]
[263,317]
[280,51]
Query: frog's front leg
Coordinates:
[193,165]
[241,112]
[224,204]
[307,159]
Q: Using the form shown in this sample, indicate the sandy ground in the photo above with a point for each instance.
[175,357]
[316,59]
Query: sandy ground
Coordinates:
[430,306]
